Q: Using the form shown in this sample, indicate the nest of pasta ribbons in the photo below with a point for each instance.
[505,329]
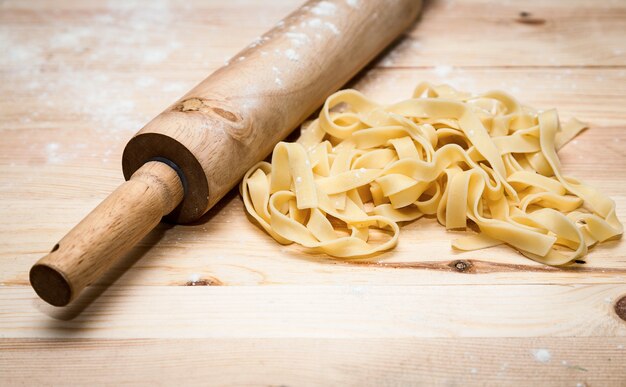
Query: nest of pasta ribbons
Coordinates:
[482,159]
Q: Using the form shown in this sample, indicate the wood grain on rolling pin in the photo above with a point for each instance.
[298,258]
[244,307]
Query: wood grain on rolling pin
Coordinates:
[233,119]
[118,223]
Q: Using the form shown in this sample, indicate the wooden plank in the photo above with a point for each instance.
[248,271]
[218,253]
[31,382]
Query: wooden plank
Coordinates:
[67,182]
[184,36]
[226,248]
[368,311]
[599,361]
[84,76]
[510,33]
[95,130]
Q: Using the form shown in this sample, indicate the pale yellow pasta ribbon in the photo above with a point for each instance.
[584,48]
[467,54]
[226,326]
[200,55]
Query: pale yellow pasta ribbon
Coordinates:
[486,159]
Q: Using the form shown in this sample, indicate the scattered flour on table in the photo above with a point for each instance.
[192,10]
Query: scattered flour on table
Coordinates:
[407,48]
[542,355]
[52,153]
[145,81]
[443,70]
[155,56]
[353,3]
[95,93]
[174,87]
[357,291]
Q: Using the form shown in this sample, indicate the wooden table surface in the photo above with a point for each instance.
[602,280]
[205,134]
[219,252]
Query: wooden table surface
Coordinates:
[78,78]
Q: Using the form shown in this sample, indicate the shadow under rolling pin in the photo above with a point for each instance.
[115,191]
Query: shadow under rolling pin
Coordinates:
[188,157]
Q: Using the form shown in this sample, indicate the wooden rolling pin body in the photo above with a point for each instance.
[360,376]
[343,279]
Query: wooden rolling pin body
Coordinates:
[233,118]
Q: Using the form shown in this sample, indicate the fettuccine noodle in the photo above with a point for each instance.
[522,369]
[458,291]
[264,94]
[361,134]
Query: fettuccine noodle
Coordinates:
[486,159]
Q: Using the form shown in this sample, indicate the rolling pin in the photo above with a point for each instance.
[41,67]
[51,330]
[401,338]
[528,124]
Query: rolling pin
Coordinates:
[187,158]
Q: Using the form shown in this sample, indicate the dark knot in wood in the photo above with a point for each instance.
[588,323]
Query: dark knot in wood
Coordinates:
[527,18]
[461,266]
[620,308]
[226,114]
[221,115]
[207,106]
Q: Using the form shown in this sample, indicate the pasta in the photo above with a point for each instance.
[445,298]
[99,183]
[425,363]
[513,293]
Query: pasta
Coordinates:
[482,160]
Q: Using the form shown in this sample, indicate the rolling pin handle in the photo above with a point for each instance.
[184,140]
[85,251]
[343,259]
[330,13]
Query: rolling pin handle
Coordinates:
[218,130]
[108,232]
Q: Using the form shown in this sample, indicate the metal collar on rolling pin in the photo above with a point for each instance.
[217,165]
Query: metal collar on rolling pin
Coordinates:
[188,157]
[179,172]
[147,146]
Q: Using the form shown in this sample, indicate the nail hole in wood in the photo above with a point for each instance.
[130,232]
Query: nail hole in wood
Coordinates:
[198,283]
[461,266]
[204,282]
[55,248]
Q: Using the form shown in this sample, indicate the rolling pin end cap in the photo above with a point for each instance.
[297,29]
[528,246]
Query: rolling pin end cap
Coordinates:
[51,285]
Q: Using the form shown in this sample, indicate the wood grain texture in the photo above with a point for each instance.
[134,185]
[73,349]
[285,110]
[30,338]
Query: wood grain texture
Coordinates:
[84,76]
[304,362]
[321,311]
